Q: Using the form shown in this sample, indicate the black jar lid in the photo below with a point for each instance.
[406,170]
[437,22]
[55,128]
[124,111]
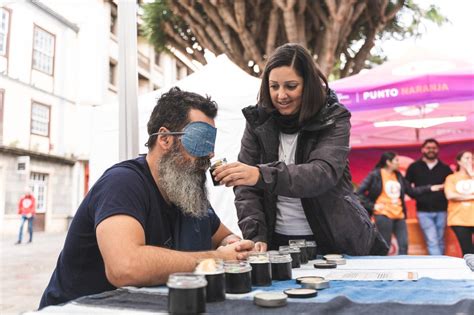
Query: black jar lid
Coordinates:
[301,293]
[324,265]
[270,299]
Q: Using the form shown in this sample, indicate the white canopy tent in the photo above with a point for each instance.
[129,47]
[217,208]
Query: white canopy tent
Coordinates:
[227,84]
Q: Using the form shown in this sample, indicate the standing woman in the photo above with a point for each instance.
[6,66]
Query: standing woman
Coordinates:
[383,194]
[459,190]
[292,179]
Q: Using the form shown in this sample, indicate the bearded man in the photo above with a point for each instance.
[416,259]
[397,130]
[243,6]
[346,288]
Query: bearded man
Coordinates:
[148,217]
[431,206]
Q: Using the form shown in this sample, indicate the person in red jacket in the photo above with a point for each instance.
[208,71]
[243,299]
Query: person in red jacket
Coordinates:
[27,210]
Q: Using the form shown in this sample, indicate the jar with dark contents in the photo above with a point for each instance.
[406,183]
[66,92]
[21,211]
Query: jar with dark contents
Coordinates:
[187,293]
[261,269]
[238,277]
[301,244]
[311,249]
[215,164]
[281,266]
[213,270]
[295,254]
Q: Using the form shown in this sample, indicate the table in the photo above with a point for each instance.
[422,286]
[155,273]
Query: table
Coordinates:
[445,286]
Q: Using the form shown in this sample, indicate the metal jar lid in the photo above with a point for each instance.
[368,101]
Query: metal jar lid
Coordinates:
[270,299]
[315,283]
[301,293]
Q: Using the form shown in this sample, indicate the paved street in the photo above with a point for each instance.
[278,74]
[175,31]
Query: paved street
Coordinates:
[25,270]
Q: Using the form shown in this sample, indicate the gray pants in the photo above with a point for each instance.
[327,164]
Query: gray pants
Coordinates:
[387,227]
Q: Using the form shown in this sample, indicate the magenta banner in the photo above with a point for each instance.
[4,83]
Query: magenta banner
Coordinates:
[421,90]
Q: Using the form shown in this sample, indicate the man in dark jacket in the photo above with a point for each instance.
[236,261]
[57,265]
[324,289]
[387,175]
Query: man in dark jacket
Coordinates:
[431,206]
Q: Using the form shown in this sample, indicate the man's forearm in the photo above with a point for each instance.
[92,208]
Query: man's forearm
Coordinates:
[152,265]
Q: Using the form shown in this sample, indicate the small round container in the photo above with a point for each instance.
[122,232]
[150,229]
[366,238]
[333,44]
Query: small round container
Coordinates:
[295,254]
[281,267]
[213,270]
[270,299]
[315,283]
[332,256]
[323,264]
[302,246]
[311,249]
[301,293]
[261,269]
[238,276]
[187,293]
[337,261]
[299,279]
[215,164]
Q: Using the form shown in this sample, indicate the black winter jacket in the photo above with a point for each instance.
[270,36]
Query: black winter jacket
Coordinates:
[371,188]
[320,177]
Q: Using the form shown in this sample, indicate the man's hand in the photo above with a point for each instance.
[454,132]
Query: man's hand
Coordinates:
[237,174]
[260,247]
[236,251]
[437,187]
[378,206]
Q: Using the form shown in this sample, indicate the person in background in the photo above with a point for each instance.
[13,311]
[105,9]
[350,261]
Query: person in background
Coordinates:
[431,206]
[459,190]
[383,193]
[148,217]
[27,210]
[292,177]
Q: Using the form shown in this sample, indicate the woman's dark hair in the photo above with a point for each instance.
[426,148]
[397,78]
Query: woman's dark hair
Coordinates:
[172,109]
[459,157]
[298,58]
[386,156]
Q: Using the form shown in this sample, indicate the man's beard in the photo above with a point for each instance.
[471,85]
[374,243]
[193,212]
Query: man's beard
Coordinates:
[184,181]
[430,155]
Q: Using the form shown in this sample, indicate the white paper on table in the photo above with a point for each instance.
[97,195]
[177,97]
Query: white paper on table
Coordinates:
[372,275]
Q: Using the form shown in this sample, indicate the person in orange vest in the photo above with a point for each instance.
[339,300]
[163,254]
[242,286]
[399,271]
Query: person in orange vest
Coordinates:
[27,210]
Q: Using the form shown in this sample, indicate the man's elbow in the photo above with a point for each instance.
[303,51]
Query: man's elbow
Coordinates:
[122,273]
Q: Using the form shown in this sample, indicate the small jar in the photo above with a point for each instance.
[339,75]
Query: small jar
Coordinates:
[295,254]
[238,277]
[281,267]
[302,246]
[187,293]
[215,164]
[311,249]
[213,270]
[261,269]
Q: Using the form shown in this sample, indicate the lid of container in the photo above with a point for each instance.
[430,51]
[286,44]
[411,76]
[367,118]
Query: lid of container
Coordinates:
[209,266]
[311,278]
[337,261]
[297,243]
[258,258]
[301,293]
[333,256]
[324,265]
[280,258]
[289,249]
[317,284]
[185,280]
[237,266]
[270,299]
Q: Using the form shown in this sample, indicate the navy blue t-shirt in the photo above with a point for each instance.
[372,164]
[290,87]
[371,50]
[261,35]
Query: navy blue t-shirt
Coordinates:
[125,188]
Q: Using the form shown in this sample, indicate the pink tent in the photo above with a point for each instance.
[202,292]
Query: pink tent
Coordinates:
[402,102]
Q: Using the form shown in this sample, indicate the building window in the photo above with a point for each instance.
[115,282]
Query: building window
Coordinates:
[43,51]
[4,23]
[39,187]
[113,73]
[40,115]
[113,18]
[157,58]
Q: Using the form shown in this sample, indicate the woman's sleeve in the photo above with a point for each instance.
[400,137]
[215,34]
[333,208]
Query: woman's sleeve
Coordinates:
[248,199]
[320,173]
[361,193]
[414,191]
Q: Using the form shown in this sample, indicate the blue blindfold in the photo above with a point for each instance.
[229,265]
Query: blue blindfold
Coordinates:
[198,138]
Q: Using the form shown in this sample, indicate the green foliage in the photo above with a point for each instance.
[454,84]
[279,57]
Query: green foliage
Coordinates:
[155,14]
